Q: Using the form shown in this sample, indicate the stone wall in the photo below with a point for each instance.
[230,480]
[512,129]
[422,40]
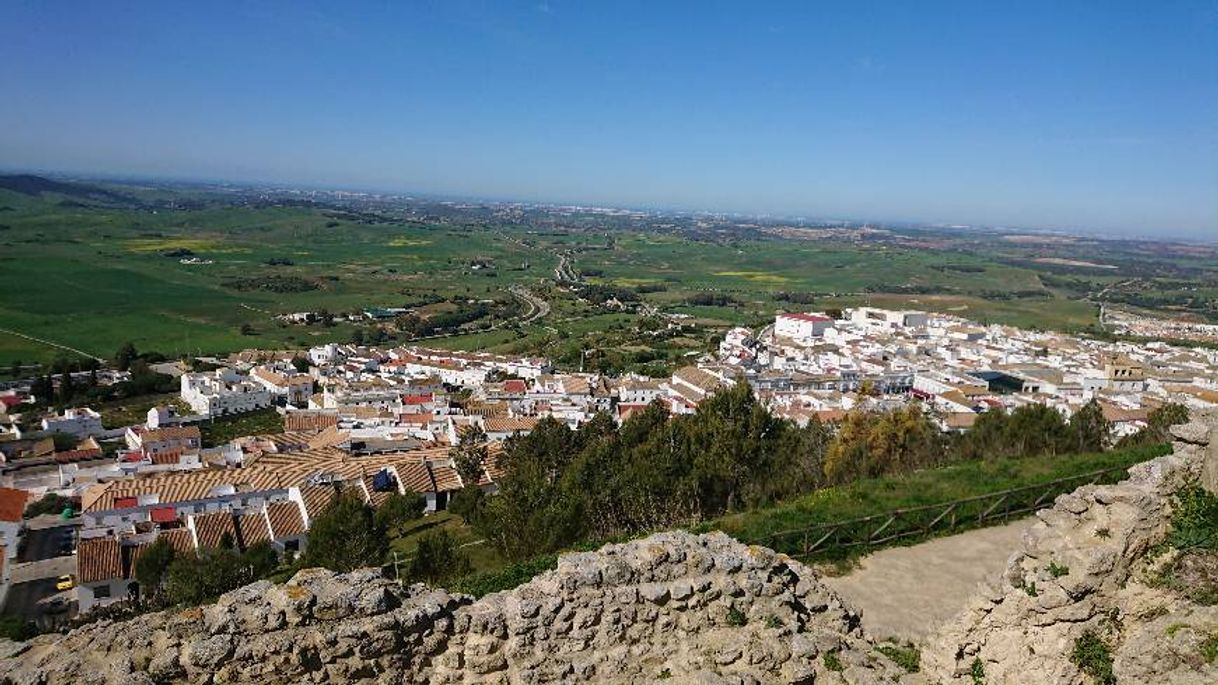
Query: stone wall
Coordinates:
[1084,566]
[672,606]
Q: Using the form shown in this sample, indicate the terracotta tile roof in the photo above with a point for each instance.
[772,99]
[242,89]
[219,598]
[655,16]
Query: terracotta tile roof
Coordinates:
[285,519]
[415,477]
[445,477]
[211,528]
[523,424]
[330,437]
[98,559]
[12,504]
[964,419]
[167,458]
[375,498]
[253,528]
[171,433]
[179,538]
[131,554]
[307,421]
[317,499]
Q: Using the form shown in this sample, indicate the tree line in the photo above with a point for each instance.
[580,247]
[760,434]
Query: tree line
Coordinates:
[600,481]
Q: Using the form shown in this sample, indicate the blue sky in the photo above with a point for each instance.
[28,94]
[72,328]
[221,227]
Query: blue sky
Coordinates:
[1098,115]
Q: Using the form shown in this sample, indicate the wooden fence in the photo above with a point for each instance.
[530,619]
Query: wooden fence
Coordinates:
[844,538]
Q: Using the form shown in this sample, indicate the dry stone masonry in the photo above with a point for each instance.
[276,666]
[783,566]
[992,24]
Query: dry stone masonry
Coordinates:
[673,606]
[1084,566]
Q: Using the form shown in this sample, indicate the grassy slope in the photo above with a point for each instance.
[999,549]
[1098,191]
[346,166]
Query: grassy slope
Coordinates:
[931,486]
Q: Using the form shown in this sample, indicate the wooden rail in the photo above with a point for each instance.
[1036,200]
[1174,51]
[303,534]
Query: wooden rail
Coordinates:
[840,538]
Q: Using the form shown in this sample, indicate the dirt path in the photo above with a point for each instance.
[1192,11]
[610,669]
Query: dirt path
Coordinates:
[907,592]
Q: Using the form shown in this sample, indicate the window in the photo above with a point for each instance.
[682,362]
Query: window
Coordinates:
[101,592]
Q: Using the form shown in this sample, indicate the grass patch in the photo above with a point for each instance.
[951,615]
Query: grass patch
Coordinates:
[874,496]
[1093,656]
[907,657]
[1209,648]
[222,429]
[506,578]
[1057,571]
[832,662]
[1193,572]
[127,412]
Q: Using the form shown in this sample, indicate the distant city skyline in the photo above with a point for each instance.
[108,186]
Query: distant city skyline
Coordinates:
[1083,117]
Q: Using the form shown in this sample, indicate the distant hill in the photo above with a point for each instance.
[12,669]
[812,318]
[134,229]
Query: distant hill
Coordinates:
[29,184]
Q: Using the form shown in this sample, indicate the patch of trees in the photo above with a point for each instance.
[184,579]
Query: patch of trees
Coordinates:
[273,283]
[279,261]
[644,288]
[347,536]
[602,481]
[600,294]
[959,268]
[910,289]
[63,385]
[1157,424]
[442,322]
[711,300]
[1003,295]
[1034,430]
[654,471]
[794,298]
[50,503]
[168,577]
[179,253]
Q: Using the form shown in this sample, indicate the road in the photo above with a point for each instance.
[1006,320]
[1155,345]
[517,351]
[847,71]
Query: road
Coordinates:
[537,309]
[38,567]
[43,541]
[565,272]
[539,306]
[908,592]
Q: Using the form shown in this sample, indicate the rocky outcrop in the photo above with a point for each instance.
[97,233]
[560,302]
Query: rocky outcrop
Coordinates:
[1083,568]
[673,606]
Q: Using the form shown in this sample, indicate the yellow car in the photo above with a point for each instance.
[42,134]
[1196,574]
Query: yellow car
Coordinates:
[65,583]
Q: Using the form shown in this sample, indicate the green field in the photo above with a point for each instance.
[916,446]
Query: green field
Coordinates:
[91,276]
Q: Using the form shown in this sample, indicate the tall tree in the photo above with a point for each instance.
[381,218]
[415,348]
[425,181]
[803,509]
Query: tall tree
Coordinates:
[437,558]
[346,537]
[469,455]
[152,567]
[125,355]
[1090,429]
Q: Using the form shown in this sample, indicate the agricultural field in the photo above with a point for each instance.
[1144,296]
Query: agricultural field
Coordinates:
[87,270]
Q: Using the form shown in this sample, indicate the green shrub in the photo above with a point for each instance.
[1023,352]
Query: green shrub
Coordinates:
[832,663]
[510,576]
[907,657]
[438,557]
[736,617]
[1209,648]
[1092,656]
[977,671]
[1056,570]
[1195,519]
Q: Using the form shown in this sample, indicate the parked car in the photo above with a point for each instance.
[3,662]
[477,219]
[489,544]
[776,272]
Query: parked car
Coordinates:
[65,582]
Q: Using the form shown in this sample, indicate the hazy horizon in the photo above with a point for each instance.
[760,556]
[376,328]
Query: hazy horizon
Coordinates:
[1041,116]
